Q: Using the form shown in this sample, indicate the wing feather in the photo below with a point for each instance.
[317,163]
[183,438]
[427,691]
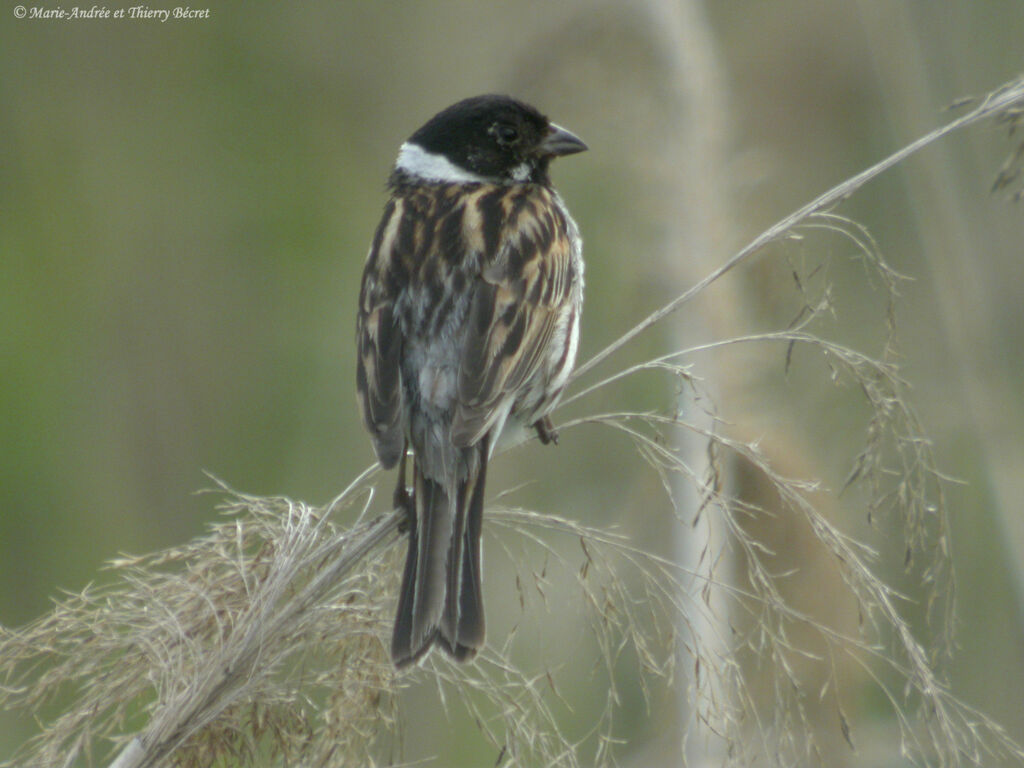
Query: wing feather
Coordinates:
[512,319]
[379,346]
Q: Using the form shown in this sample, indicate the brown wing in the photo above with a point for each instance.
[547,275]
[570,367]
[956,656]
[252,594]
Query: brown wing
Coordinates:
[513,315]
[379,345]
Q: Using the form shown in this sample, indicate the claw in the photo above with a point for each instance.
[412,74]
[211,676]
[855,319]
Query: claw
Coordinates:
[402,498]
[403,501]
[546,431]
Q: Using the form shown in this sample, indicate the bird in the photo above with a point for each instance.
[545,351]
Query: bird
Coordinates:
[468,321]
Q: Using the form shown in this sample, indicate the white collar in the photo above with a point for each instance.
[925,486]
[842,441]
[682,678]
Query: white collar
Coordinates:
[415,161]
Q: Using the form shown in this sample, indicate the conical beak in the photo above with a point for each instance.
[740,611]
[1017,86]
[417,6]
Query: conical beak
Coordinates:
[561,142]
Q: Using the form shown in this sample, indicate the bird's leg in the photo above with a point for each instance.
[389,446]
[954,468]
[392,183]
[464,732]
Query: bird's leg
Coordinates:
[546,431]
[403,497]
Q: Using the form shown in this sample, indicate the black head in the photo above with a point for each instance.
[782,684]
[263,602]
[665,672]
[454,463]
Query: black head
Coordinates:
[486,138]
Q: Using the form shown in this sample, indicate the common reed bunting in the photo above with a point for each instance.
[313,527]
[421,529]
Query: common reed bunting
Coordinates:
[468,316]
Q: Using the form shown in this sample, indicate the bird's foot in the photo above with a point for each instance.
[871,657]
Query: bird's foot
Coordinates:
[546,431]
[403,500]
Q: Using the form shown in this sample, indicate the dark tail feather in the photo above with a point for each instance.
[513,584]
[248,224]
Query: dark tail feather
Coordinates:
[401,638]
[441,598]
[462,630]
[421,601]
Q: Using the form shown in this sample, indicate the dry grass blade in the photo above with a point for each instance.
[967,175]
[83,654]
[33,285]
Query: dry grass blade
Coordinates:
[1004,101]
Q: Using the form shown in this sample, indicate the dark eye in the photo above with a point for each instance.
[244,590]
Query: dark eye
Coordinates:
[506,134]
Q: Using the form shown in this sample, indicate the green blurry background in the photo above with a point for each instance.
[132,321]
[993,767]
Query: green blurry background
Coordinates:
[185,208]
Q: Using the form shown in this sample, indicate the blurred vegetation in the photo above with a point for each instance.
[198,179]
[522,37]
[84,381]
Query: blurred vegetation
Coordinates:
[185,208]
